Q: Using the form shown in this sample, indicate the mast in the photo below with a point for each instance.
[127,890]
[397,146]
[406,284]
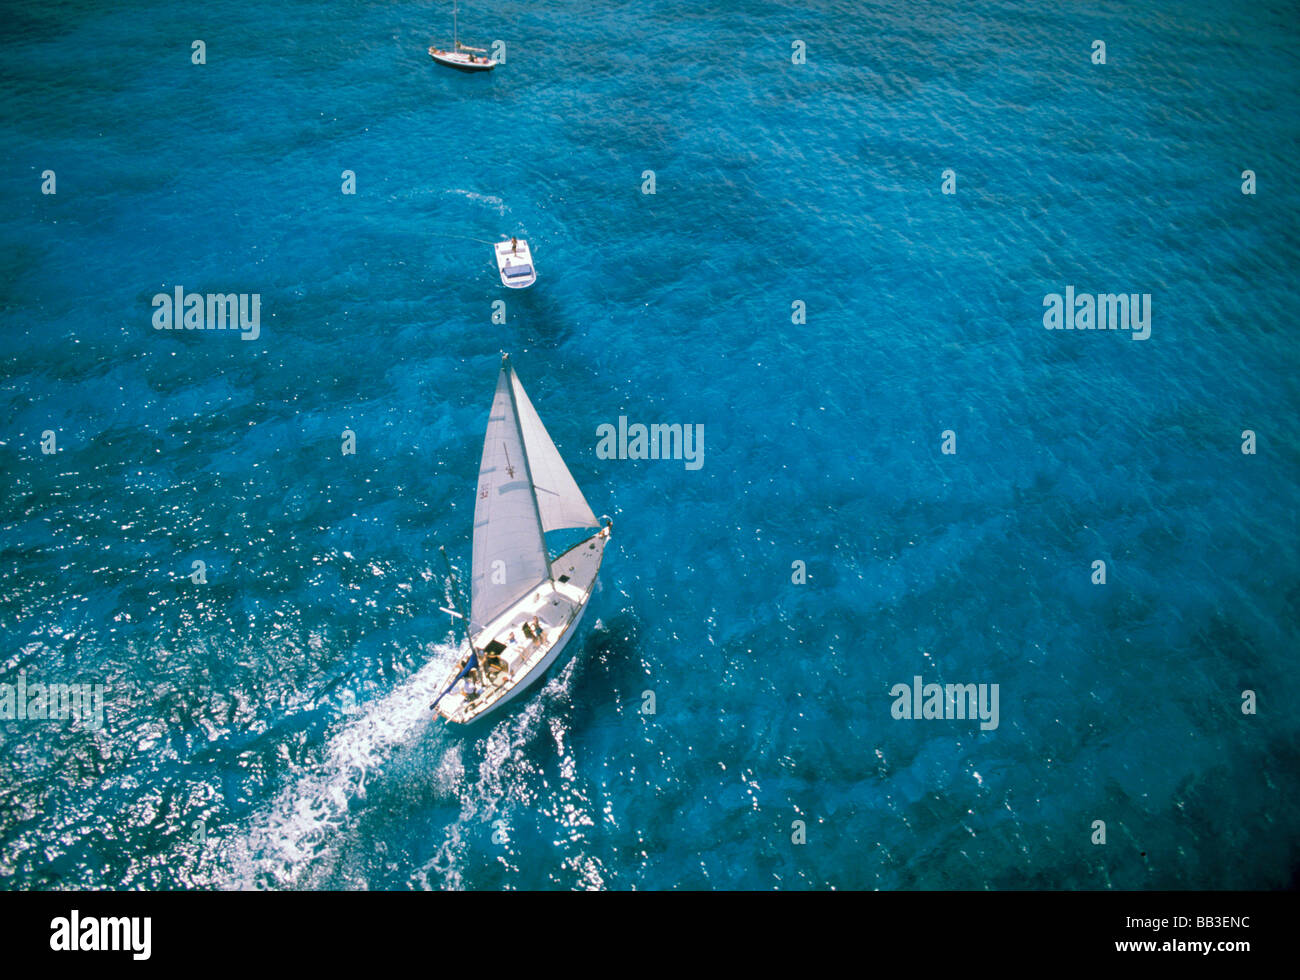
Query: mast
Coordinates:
[508,533]
[559,500]
[523,451]
[455,28]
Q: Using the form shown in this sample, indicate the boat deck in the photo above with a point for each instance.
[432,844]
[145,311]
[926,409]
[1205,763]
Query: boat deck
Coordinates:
[462,60]
[515,263]
[556,605]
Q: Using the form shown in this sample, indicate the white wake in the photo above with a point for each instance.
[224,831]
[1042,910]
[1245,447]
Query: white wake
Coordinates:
[297,834]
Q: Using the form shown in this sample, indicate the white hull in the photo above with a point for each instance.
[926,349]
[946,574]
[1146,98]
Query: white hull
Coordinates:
[515,264]
[461,60]
[535,674]
[560,605]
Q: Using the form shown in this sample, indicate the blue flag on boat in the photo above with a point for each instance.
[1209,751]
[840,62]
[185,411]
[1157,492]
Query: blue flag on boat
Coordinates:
[470,664]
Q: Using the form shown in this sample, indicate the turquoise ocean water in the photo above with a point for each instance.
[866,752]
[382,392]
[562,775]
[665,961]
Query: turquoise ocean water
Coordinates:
[284,702]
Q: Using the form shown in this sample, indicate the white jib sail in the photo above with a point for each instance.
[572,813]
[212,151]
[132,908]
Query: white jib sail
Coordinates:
[509,549]
[559,501]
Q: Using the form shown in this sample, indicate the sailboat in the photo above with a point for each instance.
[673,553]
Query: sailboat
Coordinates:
[462,57]
[524,606]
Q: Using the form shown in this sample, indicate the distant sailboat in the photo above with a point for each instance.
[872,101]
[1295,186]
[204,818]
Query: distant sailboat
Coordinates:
[462,57]
[524,608]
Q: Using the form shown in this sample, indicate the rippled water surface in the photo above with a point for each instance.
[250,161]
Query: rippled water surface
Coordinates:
[283,703]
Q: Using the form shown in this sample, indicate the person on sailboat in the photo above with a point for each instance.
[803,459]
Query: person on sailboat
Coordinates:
[514,245]
[528,632]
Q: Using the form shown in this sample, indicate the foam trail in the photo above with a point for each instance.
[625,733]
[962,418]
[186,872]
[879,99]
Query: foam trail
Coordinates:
[491,200]
[294,836]
[505,780]
[295,842]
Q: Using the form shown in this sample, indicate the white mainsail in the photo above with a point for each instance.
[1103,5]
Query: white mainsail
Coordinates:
[559,500]
[509,550]
[524,489]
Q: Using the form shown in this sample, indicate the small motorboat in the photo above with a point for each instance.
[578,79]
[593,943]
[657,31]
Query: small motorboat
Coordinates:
[515,263]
